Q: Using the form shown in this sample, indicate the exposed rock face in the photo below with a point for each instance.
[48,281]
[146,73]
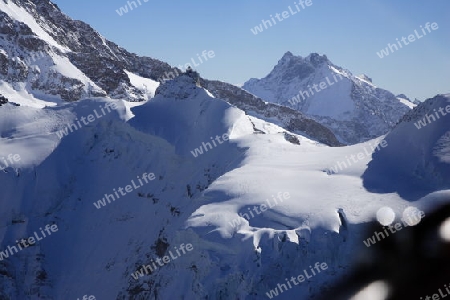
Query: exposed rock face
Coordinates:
[3,100]
[28,57]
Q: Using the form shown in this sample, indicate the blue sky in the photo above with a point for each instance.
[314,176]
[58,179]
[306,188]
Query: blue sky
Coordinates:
[349,32]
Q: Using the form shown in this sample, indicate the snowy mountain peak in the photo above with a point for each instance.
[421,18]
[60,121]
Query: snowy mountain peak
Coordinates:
[352,107]
[316,59]
[287,55]
[184,86]
[290,67]
[131,186]
[51,58]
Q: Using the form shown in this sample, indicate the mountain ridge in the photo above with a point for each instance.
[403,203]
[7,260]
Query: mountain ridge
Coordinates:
[352,107]
[98,67]
[209,200]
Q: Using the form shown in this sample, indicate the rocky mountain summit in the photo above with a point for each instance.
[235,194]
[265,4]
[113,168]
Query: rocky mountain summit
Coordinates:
[352,107]
[52,54]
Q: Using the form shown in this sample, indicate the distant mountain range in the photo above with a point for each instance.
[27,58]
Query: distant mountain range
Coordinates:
[352,107]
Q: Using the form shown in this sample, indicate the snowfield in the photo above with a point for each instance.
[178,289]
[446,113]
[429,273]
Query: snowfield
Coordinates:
[253,210]
[193,200]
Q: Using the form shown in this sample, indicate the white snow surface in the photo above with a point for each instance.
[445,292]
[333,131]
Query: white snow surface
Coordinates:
[199,200]
[58,181]
[21,96]
[195,200]
[146,85]
[406,102]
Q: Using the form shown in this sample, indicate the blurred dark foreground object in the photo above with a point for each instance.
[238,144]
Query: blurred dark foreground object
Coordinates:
[412,264]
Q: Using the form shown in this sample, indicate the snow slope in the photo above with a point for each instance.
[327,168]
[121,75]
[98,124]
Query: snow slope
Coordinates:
[45,53]
[199,199]
[422,153]
[145,85]
[35,64]
[192,200]
[20,14]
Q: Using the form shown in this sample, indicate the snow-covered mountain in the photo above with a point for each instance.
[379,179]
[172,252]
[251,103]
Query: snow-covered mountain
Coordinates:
[352,107]
[421,144]
[219,194]
[47,56]
[199,200]
[97,248]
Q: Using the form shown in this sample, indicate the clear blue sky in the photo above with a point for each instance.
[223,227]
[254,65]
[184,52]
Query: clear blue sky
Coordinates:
[349,32]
